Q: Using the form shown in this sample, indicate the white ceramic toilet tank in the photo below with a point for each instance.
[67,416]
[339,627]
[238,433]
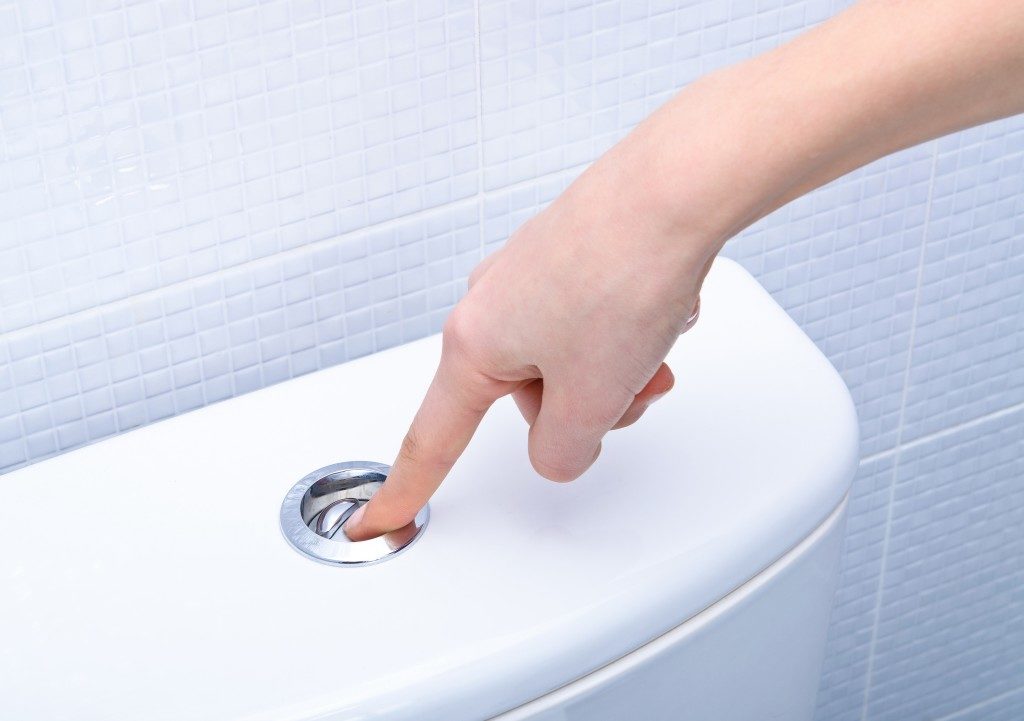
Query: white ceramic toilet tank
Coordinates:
[687,575]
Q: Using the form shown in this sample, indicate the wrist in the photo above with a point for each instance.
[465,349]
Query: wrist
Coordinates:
[726,151]
[743,141]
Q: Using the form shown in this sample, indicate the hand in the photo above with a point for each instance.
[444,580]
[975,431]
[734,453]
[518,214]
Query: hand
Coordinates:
[573,317]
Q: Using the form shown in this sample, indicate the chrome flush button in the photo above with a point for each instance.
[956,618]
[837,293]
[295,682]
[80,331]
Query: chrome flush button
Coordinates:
[316,508]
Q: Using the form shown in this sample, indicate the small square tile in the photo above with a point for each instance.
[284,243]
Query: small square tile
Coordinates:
[951,620]
[141,127]
[231,332]
[1008,707]
[844,262]
[968,354]
[844,676]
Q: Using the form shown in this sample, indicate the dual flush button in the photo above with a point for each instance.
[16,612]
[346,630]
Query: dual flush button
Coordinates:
[316,508]
[330,520]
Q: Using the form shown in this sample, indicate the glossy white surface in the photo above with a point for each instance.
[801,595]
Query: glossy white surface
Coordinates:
[146,577]
[754,655]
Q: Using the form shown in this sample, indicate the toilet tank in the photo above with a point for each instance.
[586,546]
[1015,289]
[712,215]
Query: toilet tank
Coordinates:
[686,575]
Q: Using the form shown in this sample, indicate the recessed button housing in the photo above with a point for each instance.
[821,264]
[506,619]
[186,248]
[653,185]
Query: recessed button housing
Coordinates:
[316,508]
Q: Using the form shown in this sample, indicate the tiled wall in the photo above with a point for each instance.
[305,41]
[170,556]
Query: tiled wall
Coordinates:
[929,617]
[202,197]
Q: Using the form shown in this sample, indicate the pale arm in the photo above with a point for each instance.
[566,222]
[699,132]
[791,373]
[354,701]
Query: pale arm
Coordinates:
[727,150]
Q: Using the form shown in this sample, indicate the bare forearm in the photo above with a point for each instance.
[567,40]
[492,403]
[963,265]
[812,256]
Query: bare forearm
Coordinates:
[557,317]
[884,75]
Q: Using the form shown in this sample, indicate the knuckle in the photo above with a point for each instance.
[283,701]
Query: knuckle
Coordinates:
[416,453]
[475,275]
[482,267]
[468,344]
[460,330]
[411,449]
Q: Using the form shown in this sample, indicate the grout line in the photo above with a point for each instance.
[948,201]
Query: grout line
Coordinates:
[881,454]
[283,255]
[478,49]
[521,184]
[225,272]
[982,704]
[480,175]
[478,197]
[973,423]
[869,671]
[948,431]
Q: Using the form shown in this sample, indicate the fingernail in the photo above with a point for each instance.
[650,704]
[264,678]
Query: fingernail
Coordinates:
[353,521]
[655,399]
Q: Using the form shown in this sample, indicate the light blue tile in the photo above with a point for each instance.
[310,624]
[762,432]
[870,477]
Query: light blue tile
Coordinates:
[968,355]
[562,81]
[185,190]
[951,621]
[845,672]
[240,330]
[843,262]
[1009,707]
[233,131]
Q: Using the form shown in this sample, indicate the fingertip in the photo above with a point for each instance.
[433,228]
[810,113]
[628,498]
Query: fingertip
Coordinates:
[352,527]
[385,512]
[661,383]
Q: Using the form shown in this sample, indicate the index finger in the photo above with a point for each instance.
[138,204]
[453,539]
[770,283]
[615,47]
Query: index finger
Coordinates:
[455,403]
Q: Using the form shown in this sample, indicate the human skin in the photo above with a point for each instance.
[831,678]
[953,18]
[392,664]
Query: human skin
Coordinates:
[576,313]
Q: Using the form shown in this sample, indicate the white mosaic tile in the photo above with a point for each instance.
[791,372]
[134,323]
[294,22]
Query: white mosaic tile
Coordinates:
[844,675]
[968,356]
[951,624]
[1009,707]
[202,198]
[562,80]
[110,369]
[843,261]
[148,144]
[505,210]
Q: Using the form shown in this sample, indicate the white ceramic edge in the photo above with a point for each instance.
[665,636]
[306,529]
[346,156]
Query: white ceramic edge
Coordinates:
[515,674]
[607,673]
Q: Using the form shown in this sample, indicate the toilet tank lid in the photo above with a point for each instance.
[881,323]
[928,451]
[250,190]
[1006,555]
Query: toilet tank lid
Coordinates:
[146,577]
